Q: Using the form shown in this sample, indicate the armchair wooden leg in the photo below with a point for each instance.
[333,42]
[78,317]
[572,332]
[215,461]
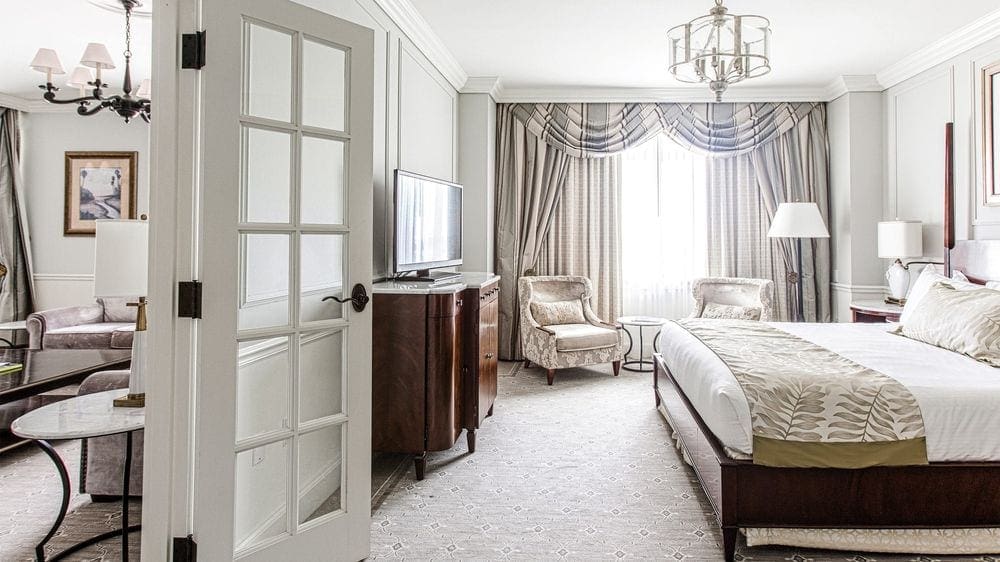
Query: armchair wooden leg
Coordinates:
[617,366]
[551,375]
[527,363]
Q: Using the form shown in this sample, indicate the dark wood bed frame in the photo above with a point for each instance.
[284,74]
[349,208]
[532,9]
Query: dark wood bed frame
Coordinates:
[935,496]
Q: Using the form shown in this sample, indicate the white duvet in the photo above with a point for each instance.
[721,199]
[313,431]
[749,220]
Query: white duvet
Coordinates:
[959,397]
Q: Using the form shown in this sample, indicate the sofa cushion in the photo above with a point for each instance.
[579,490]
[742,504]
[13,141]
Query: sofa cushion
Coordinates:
[84,336]
[117,309]
[581,337]
[122,337]
[559,312]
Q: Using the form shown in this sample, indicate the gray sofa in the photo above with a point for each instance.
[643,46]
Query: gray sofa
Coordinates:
[102,459]
[106,324]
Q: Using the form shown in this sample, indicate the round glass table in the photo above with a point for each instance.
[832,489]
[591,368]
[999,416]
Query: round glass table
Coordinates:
[641,365]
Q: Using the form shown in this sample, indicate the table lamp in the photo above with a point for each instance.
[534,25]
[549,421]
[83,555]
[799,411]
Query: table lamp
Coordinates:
[798,220]
[899,240]
[120,270]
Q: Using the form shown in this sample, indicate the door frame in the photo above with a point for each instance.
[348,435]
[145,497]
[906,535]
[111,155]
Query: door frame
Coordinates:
[175,222]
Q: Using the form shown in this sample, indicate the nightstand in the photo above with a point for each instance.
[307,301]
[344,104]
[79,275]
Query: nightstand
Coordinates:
[875,311]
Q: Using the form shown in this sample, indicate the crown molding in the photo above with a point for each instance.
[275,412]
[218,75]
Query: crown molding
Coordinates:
[941,50]
[37,105]
[484,85]
[852,83]
[627,95]
[416,28]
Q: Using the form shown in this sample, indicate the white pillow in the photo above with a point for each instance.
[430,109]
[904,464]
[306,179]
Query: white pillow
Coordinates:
[927,278]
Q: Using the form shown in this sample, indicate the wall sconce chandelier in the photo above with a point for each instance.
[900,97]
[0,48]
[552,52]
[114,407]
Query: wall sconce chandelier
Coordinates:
[720,49]
[96,56]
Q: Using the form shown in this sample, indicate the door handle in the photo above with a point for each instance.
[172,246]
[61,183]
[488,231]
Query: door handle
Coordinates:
[359,298]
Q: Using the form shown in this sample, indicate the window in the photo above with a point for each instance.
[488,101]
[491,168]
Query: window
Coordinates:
[663,228]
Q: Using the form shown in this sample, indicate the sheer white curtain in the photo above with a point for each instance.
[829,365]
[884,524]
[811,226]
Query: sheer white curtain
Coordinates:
[663,228]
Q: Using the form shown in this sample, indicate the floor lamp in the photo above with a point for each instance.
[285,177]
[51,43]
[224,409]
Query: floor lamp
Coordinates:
[120,260]
[798,221]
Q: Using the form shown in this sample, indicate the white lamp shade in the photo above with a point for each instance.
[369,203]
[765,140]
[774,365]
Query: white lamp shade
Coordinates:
[900,239]
[798,220]
[79,78]
[120,258]
[46,60]
[145,89]
[96,56]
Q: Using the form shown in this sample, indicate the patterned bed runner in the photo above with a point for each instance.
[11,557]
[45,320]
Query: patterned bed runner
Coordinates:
[810,407]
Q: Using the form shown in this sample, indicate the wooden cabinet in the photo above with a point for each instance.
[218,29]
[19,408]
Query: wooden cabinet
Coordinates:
[434,370]
[481,317]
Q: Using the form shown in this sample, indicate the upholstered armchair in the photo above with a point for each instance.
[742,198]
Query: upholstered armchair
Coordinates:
[108,323]
[102,459]
[733,298]
[559,329]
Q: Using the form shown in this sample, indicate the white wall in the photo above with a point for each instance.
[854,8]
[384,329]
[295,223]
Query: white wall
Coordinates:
[476,172]
[855,128]
[64,265]
[915,113]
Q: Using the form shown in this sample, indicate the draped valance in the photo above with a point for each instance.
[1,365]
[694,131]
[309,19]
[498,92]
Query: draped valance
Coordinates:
[589,130]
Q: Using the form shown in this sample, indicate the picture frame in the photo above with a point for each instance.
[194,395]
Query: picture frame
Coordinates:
[991,132]
[99,185]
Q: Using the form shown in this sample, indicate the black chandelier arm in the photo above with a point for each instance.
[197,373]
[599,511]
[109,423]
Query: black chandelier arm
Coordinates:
[87,111]
[50,96]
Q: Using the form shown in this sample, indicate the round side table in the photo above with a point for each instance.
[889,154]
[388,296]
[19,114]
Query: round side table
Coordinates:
[81,417]
[641,365]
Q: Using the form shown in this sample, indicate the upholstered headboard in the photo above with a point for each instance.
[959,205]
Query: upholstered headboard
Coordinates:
[979,260]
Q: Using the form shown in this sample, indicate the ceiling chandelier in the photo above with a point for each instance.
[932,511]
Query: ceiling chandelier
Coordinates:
[96,56]
[720,49]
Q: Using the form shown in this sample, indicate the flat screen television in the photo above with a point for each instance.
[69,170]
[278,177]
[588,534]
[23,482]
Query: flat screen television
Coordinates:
[427,227]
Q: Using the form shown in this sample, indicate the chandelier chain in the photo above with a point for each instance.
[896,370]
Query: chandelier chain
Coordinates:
[128,31]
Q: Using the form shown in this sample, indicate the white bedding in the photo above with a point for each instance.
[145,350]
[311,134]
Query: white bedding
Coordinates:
[958,396]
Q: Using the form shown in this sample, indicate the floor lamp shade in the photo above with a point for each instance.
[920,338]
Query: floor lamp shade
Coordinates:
[798,220]
[120,258]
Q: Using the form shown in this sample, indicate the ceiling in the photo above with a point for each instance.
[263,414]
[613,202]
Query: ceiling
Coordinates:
[67,26]
[601,43]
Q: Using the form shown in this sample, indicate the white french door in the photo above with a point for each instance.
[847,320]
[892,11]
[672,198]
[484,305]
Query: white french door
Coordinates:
[283,392]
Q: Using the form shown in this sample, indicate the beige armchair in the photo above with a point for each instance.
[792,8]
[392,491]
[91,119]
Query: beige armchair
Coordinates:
[733,298]
[559,329]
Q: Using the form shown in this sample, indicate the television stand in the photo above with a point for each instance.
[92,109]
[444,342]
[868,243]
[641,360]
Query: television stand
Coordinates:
[428,276]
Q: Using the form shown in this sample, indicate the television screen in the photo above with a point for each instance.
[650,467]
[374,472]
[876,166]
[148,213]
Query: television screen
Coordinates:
[427,223]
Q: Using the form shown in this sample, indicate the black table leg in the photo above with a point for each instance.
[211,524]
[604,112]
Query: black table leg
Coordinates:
[64,476]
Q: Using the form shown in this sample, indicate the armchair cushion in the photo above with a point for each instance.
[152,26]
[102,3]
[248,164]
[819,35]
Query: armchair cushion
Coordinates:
[121,338]
[117,309]
[730,312]
[40,323]
[559,312]
[97,335]
[582,337]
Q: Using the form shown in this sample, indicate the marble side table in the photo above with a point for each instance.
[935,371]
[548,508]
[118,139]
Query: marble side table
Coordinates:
[82,417]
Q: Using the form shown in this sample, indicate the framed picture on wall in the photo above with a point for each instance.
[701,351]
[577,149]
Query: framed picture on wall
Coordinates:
[99,185]
[991,133]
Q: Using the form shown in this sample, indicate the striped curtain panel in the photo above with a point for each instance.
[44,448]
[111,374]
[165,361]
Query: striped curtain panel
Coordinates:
[16,291]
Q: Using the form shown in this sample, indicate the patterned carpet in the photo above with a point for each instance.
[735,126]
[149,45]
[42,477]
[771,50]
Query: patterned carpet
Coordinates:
[30,492]
[581,470]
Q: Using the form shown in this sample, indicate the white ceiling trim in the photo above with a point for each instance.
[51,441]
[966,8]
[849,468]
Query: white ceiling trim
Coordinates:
[638,95]
[34,105]
[414,26]
[483,85]
[852,83]
[955,43]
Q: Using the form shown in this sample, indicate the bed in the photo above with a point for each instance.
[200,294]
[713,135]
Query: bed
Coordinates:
[958,489]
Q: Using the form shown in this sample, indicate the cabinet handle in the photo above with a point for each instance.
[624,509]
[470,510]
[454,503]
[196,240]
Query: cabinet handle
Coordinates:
[458,302]
[489,356]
